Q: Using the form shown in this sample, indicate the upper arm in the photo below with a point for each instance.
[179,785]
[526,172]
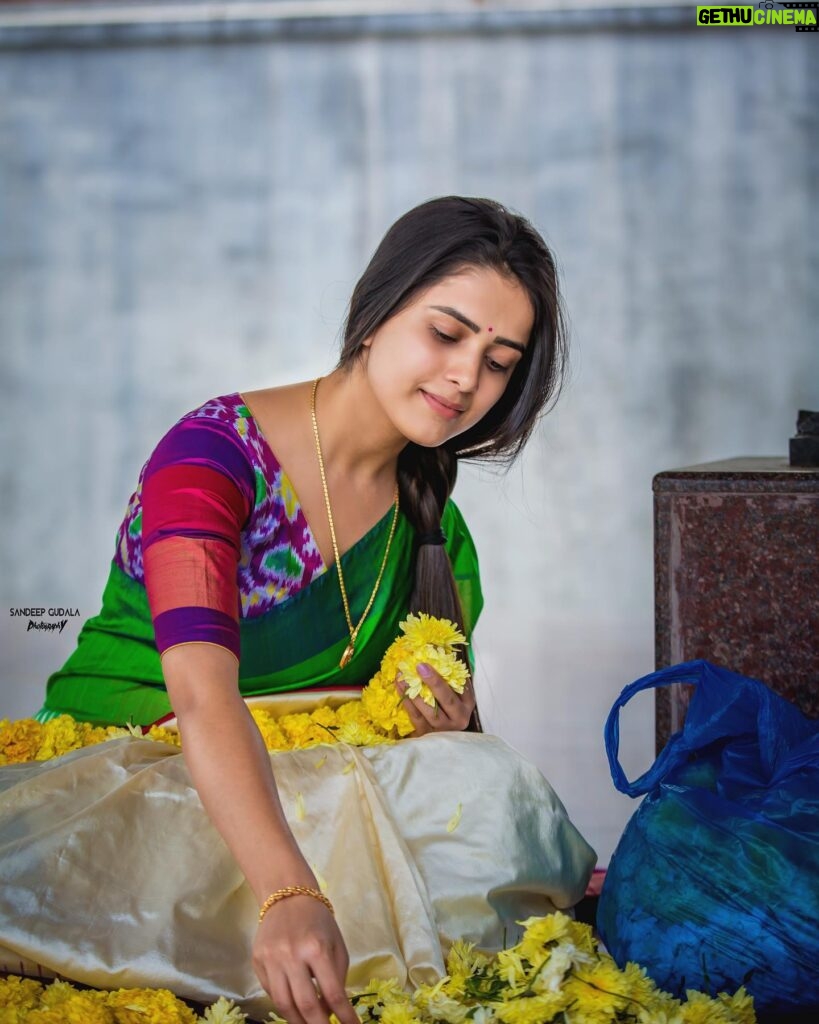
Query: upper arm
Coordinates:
[197,493]
[199,675]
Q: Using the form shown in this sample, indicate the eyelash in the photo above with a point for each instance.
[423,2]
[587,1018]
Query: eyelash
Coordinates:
[447,339]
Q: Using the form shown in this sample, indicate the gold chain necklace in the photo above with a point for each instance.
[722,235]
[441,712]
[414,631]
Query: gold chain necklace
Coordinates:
[349,650]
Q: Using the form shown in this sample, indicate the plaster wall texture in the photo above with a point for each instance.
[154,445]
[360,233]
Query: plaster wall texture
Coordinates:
[183,221]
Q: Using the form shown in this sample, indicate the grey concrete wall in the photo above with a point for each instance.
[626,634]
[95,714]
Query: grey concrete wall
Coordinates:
[180,221]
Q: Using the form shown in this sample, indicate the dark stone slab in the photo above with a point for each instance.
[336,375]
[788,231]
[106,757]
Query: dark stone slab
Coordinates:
[736,564]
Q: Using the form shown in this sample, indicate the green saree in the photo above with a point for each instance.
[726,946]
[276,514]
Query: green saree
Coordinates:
[115,675]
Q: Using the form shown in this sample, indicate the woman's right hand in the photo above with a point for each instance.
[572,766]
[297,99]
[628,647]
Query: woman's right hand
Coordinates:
[301,961]
[298,940]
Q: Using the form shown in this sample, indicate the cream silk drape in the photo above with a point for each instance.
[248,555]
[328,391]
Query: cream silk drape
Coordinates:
[112,874]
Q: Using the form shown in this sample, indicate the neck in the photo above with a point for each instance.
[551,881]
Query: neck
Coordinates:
[357,440]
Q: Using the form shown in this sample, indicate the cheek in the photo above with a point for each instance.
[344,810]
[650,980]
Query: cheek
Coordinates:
[401,363]
[495,386]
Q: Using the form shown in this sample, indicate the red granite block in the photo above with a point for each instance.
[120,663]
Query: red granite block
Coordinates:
[736,573]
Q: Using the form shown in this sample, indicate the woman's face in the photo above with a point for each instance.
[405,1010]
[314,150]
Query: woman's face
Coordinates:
[439,365]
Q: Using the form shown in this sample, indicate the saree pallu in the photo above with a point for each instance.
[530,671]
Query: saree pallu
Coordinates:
[111,873]
[115,674]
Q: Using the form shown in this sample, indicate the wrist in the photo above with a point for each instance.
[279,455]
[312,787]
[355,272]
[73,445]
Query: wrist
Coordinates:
[289,870]
[290,891]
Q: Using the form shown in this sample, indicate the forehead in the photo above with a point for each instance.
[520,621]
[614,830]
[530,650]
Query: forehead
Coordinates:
[488,298]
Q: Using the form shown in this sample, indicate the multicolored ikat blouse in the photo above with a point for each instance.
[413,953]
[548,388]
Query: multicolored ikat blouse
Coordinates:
[213,492]
[214,548]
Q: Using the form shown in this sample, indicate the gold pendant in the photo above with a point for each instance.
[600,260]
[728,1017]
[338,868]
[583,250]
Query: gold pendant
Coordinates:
[347,656]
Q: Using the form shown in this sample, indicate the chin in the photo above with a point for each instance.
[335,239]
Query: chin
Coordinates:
[432,438]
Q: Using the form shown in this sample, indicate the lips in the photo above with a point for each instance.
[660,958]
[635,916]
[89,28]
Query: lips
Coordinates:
[446,409]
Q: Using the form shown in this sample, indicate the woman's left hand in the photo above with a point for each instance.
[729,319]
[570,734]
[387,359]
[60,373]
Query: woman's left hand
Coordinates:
[452,710]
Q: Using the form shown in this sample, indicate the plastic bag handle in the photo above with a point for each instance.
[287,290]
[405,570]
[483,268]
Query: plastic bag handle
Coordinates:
[675,751]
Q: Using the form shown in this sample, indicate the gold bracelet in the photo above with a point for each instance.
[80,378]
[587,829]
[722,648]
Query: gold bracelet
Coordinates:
[293,890]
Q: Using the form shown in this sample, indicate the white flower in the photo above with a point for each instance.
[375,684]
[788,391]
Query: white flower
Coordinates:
[562,959]
[224,1011]
[441,1007]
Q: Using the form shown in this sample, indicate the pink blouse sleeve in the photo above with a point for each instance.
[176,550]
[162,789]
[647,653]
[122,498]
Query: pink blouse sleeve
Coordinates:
[198,491]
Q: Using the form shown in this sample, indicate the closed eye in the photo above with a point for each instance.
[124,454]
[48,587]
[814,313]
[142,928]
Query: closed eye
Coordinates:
[441,336]
[497,367]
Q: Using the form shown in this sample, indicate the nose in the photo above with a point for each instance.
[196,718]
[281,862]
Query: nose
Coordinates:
[463,368]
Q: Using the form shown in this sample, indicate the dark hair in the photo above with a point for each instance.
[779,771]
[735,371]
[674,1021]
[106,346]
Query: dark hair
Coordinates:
[433,241]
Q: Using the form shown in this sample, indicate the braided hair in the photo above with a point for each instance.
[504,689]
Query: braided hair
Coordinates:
[433,241]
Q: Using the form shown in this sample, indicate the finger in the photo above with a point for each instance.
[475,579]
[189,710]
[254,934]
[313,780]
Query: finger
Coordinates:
[278,988]
[305,997]
[448,699]
[415,716]
[330,980]
[459,706]
[435,717]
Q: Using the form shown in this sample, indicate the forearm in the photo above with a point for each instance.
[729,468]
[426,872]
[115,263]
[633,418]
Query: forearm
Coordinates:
[230,767]
[232,774]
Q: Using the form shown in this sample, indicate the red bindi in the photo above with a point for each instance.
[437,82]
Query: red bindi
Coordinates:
[489,328]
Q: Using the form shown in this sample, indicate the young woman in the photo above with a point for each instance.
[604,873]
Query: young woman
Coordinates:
[277,537]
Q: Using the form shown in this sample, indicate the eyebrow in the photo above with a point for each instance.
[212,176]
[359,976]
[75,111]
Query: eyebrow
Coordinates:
[450,311]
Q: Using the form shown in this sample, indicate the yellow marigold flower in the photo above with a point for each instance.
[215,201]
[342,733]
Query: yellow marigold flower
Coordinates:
[395,654]
[149,1006]
[701,1009]
[597,988]
[440,1006]
[638,985]
[99,734]
[447,664]
[658,1011]
[59,736]
[20,741]
[300,730]
[160,734]
[512,967]
[70,1007]
[399,1013]
[57,993]
[361,734]
[533,1010]
[22,993]
[272,735]
[581,936]
[424,629]
[382,703]
[351,711]
[463,960]
[71,1013]
[740,1005]
[540,931]
[327,717]
[382,990]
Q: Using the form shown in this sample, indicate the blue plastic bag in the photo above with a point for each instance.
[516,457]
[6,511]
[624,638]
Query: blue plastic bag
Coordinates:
[715,881]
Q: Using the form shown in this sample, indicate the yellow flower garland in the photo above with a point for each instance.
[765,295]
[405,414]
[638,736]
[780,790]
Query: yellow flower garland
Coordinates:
[377,717]
[556,972]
